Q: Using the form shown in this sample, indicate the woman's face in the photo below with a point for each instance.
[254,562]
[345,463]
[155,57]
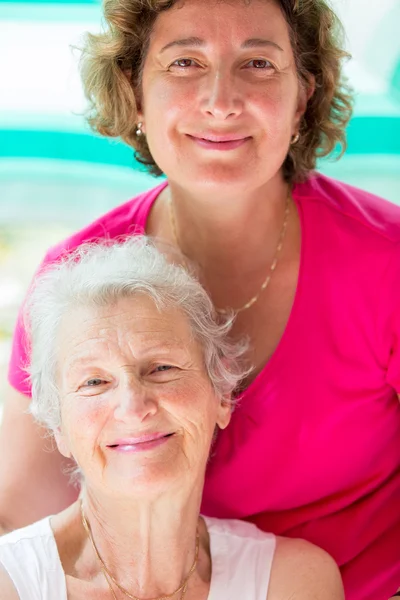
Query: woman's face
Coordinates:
[137,408]
[220,93]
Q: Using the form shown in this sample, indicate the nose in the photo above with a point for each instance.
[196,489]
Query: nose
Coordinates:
[222,98]
[134,401]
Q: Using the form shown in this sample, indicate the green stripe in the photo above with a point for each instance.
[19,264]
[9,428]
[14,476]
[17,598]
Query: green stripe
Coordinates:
[66,146]
[75,11]
[366,135]
[374,135]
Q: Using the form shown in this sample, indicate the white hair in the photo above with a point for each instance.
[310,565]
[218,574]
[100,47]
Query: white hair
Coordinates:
[100,273]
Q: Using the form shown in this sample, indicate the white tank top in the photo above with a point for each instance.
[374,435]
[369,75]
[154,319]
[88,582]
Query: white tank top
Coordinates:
[241,561]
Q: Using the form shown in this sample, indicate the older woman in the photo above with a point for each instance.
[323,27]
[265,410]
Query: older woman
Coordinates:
[233,101]
[133,374]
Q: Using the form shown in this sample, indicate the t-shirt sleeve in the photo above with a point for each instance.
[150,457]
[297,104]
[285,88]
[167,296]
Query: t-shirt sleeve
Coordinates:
[17,374]
[20,348]
[125,219]
[389,318]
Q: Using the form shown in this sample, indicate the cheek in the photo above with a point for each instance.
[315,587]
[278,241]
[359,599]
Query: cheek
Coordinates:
[193,404]
[275,109]
[164,112]
[204,419]
[165,104]
[83,420]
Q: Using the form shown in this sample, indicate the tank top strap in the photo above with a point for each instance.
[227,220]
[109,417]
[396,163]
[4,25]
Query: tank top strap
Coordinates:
[241,561]
[241,557]
[30,557]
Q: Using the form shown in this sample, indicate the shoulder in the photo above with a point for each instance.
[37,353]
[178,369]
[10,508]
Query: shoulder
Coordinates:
[243,541]
[40,528]
[241,531]
[125,219]
[314,573]
[29,562]
[242,556]
[348,206]
[35,542]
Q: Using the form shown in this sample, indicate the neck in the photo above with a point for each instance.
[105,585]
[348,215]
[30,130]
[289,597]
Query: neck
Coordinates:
[149,547]
[224,232]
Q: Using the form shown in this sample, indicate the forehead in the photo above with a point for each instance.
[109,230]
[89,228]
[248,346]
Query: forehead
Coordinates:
[135,323]
[213,20]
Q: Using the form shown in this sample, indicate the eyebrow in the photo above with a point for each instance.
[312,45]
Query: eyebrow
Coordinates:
[198,43]
[161,349]
[190,41]
[257,42]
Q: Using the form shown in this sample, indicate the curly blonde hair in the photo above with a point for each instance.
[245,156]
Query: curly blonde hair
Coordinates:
[112,61]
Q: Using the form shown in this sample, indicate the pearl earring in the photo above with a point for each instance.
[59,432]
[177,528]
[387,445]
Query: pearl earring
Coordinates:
[139,127]
[295,138]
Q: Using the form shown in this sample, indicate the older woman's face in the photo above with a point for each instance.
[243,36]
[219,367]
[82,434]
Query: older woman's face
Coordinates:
[138,410]
[220,93]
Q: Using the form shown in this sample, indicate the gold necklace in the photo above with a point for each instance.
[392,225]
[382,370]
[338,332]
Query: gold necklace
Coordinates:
[108,576]
[273,264]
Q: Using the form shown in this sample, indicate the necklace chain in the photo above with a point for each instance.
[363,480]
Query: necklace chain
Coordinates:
[272,266]
[109,577]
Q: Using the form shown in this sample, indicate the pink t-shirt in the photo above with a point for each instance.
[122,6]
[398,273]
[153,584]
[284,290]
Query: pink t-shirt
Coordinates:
[313,450]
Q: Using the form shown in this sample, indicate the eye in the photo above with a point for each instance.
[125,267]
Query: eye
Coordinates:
[162,372]
[94,386]
[260,63]
[94,382]
[162,368]
[184,63]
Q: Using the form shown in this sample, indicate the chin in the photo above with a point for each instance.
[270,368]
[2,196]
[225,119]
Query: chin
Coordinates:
[146,481]
[217,177]
[132,489]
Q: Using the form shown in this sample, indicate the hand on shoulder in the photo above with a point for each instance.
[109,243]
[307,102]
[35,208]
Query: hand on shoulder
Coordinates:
[302,571]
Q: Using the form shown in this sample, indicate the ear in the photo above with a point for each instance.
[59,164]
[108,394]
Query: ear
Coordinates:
[310,87]
[306,91]
[224,412]
[62,444]
[140,115]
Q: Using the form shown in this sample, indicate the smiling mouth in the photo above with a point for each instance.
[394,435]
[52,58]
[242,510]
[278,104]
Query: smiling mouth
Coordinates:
[220,139]
[140,443]
[216,142]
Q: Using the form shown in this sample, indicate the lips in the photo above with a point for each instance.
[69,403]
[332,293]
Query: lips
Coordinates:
[212,141]
[220,138]
[138,443]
